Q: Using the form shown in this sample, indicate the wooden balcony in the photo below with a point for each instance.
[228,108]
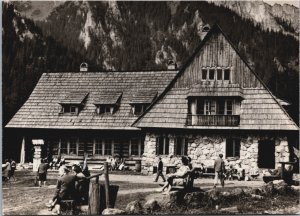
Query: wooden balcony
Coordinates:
[213,120]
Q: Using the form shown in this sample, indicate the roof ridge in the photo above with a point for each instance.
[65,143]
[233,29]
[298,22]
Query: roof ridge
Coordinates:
[215,29]
[133,71]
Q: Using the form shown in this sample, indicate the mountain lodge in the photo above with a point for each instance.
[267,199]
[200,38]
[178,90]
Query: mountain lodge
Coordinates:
[213,104]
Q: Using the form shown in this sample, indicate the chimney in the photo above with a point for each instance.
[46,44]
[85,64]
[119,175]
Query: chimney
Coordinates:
[84,66]
[172,65]
[204,30]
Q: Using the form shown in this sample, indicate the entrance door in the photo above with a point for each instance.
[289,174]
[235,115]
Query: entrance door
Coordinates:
[266,154]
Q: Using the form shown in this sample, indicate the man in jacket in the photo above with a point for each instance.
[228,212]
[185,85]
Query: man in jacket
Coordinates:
[160,167]
[219,167]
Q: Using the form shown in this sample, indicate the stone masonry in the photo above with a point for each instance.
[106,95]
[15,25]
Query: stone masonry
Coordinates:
[206,148]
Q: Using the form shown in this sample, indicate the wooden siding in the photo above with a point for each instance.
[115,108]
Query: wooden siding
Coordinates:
[258,110]
[217,52]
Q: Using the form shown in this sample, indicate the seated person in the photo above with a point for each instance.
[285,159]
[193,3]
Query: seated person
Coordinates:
[81,185]
[230,173]
[61,162]
[275,172]
[240,172]
[177,177]
[65,188]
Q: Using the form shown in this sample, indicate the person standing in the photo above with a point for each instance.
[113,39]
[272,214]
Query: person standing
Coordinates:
[42,173]
[13,168]
[6,169]
[160,167]
[219,170]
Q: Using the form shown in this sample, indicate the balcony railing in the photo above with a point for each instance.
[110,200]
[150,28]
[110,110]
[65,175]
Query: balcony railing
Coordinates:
[213,120]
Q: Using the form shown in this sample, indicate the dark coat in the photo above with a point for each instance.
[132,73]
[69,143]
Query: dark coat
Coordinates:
[65,187]
[160,166]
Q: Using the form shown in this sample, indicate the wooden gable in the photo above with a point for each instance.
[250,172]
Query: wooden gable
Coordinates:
[258,109]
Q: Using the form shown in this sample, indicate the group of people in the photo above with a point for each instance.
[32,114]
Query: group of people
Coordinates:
[180,177]
[8,170]
[116,163]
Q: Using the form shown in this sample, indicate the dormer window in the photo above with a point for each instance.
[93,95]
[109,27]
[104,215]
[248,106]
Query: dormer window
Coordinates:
[107,102]
[141,100]
[216,73]
[73,102]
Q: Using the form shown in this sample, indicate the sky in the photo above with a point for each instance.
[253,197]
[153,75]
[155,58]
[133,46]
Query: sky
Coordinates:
[272,2]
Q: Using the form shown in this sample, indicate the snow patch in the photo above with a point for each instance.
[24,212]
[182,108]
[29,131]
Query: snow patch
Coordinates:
[84,34]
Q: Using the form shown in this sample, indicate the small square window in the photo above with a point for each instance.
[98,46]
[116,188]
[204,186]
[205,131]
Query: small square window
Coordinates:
[211,74]
[204,74]
[72,109]
[104,109]
[227,74]
[219,74]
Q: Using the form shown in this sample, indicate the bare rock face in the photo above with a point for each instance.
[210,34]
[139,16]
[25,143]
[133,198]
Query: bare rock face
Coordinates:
[151,206]
[113,211]
[134,207]
[194,199]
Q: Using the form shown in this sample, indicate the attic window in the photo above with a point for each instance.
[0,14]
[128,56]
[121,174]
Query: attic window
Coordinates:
[141,100]
[216,73]
[107,102]
[73,102]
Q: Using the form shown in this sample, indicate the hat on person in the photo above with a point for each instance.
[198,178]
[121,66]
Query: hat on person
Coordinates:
[221,155]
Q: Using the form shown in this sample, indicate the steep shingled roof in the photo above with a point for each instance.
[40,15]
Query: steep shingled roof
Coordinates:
[42,108]
[259,110]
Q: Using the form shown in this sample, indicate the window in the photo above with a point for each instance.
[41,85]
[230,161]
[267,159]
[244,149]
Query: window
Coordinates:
[200,105]
[162,145]
[211,74]
[134,147]
[215,73]
[105,109]
[229,107]
[221,107]
[227,74]
[108,147]
[219,74]
[204,74]
[98,147]
[209,107]
[73,146]
[64,146]
[70,109]
[233,147]
[181,146]
[138,109]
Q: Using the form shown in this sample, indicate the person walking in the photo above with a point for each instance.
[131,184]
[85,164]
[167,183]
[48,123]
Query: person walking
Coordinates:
[160,167]
[219,170]
[42,173]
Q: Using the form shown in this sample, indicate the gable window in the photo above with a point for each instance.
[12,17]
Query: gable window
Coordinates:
[219,74]
[181,146]
[233,146]
[211,74]
[73,109]
[107,102]
[227,74]
[162,145]
[216,73]
[204,74]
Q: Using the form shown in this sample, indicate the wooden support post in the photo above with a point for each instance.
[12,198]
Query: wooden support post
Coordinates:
[106,185]
[94,197]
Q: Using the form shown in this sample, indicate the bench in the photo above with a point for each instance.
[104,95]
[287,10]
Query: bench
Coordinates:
[190,176]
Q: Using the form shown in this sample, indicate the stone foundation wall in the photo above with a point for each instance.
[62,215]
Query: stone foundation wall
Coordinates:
[206,148]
